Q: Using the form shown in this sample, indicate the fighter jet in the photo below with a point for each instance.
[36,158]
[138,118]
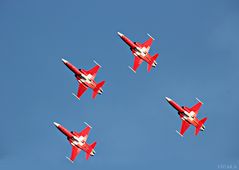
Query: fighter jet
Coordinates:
[189,116]
[78,141]
[86,79]
[140,52]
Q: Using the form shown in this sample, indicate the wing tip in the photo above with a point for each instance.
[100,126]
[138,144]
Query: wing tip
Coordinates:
[97,63]
[75,96]
[150,36]
[132,69]
[69,159]
[179,133]
[87,125]
[199,100]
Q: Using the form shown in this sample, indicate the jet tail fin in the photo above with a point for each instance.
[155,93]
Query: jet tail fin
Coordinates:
[153,59]
[91,151]
[97,88]
[201,122]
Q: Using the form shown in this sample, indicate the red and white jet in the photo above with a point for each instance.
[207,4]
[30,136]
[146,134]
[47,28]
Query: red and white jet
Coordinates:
[78,141]
[140,52]
[86,79]
[189,116]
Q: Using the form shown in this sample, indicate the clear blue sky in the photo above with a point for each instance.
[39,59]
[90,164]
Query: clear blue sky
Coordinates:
[132,122]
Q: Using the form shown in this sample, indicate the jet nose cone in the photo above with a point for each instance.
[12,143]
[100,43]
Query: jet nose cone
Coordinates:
[120,34]
[168,99]
[56,124]
[64,61]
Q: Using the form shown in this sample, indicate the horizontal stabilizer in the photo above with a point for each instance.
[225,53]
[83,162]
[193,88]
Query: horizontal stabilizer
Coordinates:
[201,122]
[197,131]
[92,146]
[87,156]
[97,88]
[150,64]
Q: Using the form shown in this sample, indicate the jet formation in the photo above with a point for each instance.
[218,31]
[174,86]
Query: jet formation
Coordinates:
[86,79]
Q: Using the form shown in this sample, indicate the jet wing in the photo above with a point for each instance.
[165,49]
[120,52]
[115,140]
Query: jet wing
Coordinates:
[137,62]
[75,151]
[147,44]
[184,127]
[196,108]
[81,89]
[84,133]
[93,71]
